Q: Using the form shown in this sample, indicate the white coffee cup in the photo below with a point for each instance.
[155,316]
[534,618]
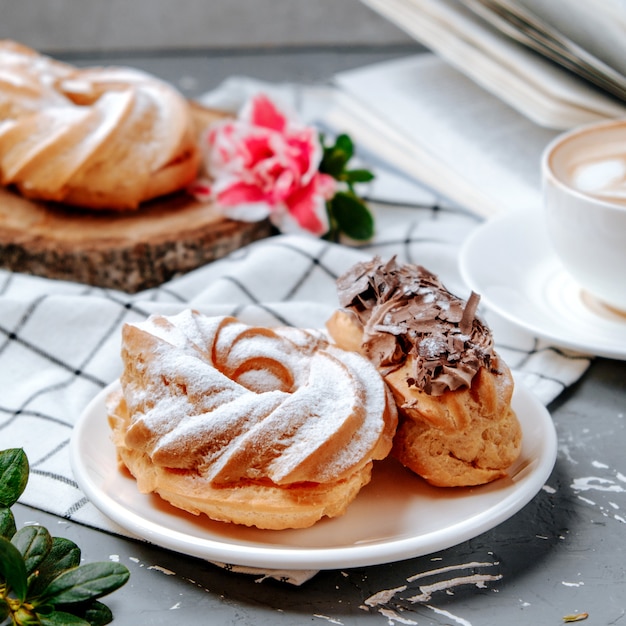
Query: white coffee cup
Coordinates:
[584,191]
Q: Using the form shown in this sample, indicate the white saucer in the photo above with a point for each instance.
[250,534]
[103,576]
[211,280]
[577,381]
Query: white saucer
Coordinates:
[509,261]
[397,516]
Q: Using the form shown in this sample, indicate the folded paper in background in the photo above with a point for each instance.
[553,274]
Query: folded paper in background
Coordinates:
[519,75]
[439,127]
[520,24]
[597,27]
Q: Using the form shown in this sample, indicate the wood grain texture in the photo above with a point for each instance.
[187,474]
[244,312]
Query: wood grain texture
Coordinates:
[128,251]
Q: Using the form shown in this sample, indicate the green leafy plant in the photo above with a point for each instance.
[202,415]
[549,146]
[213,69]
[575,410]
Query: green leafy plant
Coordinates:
[41,579]
[347,212]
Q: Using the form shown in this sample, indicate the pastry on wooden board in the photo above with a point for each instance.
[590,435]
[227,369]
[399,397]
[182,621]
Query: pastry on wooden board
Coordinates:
[94,166]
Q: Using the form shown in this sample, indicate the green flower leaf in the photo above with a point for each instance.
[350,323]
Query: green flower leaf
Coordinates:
[333,162]
[7,523]
[34,543]
[13,475]
[347,213]
[358,176]
[336,157]
[352,216]
[344,143]
[12,569]
[60,618]
[86,582]
[63,555]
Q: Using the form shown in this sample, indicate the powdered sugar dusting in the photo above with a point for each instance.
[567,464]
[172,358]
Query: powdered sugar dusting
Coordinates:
[241,402]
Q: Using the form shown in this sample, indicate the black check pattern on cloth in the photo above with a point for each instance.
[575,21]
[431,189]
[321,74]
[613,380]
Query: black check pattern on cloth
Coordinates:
[60,341]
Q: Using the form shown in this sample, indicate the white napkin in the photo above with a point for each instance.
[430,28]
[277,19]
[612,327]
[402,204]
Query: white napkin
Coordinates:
[60,341]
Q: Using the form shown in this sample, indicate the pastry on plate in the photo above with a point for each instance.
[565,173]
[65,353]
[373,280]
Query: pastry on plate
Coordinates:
[452,389]
[274,428]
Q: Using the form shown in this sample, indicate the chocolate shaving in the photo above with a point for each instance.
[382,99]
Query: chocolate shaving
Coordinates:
[469,313]
[405,310]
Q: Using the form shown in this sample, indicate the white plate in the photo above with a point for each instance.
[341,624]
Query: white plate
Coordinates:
[396,516]
[510,262]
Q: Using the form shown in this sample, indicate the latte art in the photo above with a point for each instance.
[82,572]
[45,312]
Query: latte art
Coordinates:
[603,178]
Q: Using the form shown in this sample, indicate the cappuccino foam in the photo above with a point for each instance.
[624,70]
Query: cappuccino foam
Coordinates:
[603,178]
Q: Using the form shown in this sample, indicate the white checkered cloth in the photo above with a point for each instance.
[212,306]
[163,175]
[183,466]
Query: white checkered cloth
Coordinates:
[60,341]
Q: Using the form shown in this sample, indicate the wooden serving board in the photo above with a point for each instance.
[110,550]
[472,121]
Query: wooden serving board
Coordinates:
[128,251]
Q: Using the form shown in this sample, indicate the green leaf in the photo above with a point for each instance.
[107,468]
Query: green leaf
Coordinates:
[98,614]
[358,176]
[13,475]
[352,217]
[38,571]
[63,555]
[4,610]
[12,569]
[344,143]
[60,618]
[34,543]
[85,583]
[94,612]
[333,162]
[7,523]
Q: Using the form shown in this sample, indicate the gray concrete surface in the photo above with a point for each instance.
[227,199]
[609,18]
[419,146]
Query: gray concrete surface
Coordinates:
[111,25]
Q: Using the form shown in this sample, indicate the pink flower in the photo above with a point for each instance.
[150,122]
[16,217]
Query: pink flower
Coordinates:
[264,164]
